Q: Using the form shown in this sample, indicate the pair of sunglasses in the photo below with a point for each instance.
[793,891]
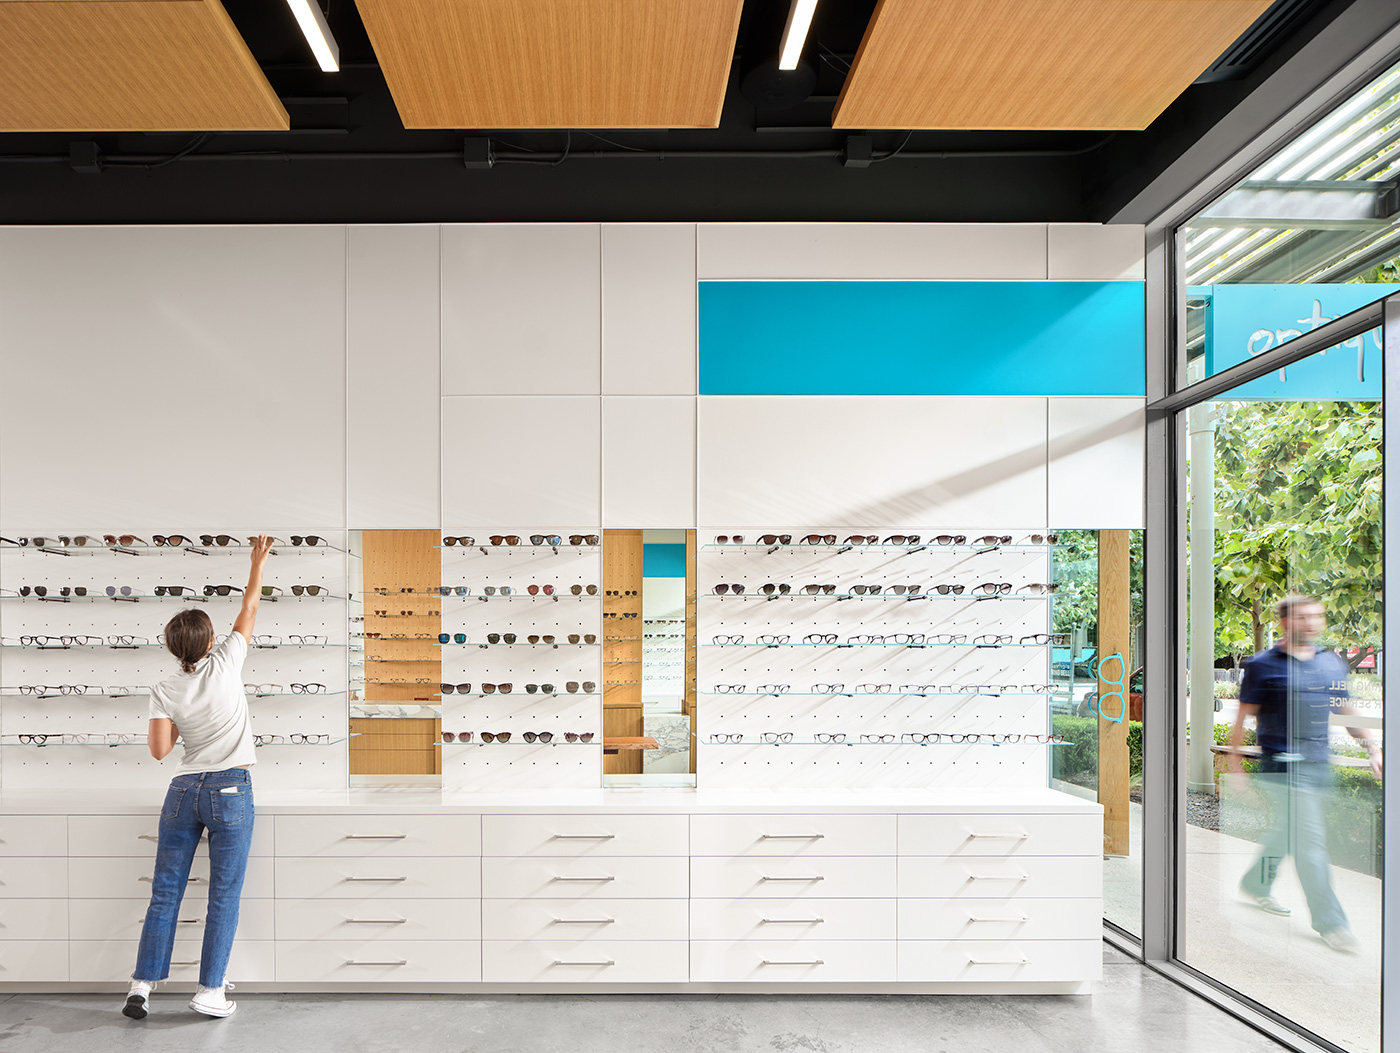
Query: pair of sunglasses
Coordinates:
[496,736]
[728,539]
[588,638]
[535,590]
[452,637]
[579,590]
[222,540]
[160,590]
[465,542]
[308,539]
[583,539]
[496,638]
[220,590]
[545,539]
[721,590]
[309,590]
[123,540]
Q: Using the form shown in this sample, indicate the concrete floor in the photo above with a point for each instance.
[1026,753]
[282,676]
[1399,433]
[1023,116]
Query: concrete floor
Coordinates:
[1132,1008]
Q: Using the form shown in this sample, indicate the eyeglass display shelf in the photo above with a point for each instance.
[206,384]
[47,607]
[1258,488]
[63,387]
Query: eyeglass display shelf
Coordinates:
[522,595]
[142,742]
[332,742]
[514,743]
[878,596]
[425,614]
[136,647]
[487,549]
[872,694]
[910,645]
[119,598]
[485,646]
[509,694]
[170,550]
[836,549]
[909,743]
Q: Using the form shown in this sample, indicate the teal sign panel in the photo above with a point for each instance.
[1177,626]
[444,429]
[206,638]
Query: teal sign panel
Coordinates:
[1247,320]
[921,338]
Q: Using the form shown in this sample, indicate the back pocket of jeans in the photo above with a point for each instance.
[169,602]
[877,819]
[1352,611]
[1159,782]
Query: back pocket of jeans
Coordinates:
[229,808]
[173,797]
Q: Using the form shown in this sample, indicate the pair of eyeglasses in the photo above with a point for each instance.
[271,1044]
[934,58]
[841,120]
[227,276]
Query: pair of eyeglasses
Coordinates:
[449,590]
[616,614]
[583,539]
[545,689]
[874,689]
[263,689]
[1040,588]
[902,539]
[452,638]
[503,590]
[456,736]
[819,539]
[1057,639]
[572,687]
[991,639]
[160,590]
[545,539]
[308,689]
[948,589]
[588,638]
[61,641]
[770,589]
[729,539]
[623,592]
[877,738]
[866,590]
[264,640]
[819,638]
[296,740]
[578,736]
[726,737]
[122,540]
[728,641]
[721,590]
[776,736]
[465,542]
[830,736]
[171,540]
[59,689]
[308,539]
[828,689]
[538,736]
[127,640]
[222,540]
[548,590]
[772,640]
[992,539]
[773,689]
[1043,539]
[537,639]
[220,590]
[495,638]
[495,736]
[947,639]
[992,588]
[307,640]
[774,539]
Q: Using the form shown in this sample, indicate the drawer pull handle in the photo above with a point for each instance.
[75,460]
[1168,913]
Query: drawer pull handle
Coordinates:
[584,921]
[793,921]
[1021,918]
[813,961]
[375,837]
[1023,876]
[195,962]
[998,837]
[560,961]
[376,879]
[583,837]
[809,877]
[791,837]
[400,961]
[376,921]
[561,877]
[998,961]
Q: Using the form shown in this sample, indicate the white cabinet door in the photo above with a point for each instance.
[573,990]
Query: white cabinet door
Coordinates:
[811,919]
[129,877]
[1001,835]
[33,877]
[33,835]
[137,835]
[593,961]
[816,877]
[365,836]
[379,920]
[615,877]
[98,960]
[584,835]
[792,835]
[33,919]
[792,961]
[378,961]
[31,961]
[1054,877]
[562,920]
[986,961]
[423,877]
[1014,918]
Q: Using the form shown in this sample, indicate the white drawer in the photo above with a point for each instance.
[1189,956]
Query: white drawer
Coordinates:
[33,835]
[564,920]
[815,877]
[585,835]
[135,835]
[1001,835]
[34,877]
[121,919]
[1052,877]
[811,919]
[422,877]
[613,877]
[792,835]
[792,961]
[33,919]
[378,835]
[28,961]
[379,919]
[129,877]
[1015,918]
[93,960]
[983,961]
[593,961]
[378,961]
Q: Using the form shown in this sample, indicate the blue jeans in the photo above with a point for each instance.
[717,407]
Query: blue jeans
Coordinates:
[1297,827]
[222,802]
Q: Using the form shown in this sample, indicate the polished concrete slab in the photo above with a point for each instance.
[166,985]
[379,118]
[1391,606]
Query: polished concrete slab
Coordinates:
[1132,1008]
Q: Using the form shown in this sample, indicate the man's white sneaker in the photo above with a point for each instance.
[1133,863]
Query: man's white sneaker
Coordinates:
[138,1000]
[1343,940]
[1270,905]
[211,1001]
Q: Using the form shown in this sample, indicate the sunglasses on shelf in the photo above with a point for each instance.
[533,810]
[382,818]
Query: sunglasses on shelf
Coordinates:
[310,540]
[902,539]
[465,542]
[222,540]
[535,639]
[775,590]
[461,689]
[583,539]
[727,539]
[504,539]
[309,590]
[546,689]
[588,638]
[538,736]
[452,637]
[992,588]
[819,590]
[123,540]
[572,687]
[949,590]
[866,590]
[535,590]
[545,539]
[220,590]
[491,689]
[579,590]
[496,736]
[819,539]
[774,539]
[578,736]
[496,638]
[456,736]
[1041,588]
[993,539]
[172,540]
[726,589]
[1043,539]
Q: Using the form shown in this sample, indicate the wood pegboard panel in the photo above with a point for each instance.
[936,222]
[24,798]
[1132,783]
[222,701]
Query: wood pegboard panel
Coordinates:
[622,651]
[394,560]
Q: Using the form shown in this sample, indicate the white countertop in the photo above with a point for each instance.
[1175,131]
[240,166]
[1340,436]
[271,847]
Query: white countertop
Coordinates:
[655,800]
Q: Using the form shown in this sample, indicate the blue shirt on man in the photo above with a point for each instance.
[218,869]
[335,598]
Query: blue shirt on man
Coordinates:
[1295,700]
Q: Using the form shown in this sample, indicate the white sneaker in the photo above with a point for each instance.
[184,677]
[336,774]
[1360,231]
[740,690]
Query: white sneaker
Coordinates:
[138,1000]
[1343,940]
[211,1001]
[1270,905]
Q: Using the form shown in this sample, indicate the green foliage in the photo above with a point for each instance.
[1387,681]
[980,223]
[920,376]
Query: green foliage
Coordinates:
[1079,756]
[1298,510]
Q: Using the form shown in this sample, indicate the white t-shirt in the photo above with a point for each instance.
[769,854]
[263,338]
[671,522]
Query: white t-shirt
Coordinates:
[210,708]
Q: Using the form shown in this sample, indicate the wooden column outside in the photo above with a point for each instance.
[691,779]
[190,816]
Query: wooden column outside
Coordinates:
[1115,628]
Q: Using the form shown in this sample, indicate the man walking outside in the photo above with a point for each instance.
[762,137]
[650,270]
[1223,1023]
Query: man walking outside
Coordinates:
[1291,690]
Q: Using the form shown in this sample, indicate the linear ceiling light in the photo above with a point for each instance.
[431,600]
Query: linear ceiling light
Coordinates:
[795,32]
[318,34]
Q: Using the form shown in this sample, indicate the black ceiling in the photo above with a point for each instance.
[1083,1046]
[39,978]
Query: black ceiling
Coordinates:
[348,158]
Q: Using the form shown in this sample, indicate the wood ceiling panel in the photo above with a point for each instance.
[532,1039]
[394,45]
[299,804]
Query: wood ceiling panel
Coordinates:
[555,63]
[1052,64]
[129,65]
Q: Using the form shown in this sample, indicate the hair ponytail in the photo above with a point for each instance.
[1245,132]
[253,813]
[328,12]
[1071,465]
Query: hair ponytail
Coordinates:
[188,636]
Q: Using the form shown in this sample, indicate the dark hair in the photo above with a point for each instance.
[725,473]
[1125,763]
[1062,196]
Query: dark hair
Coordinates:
[188,636]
